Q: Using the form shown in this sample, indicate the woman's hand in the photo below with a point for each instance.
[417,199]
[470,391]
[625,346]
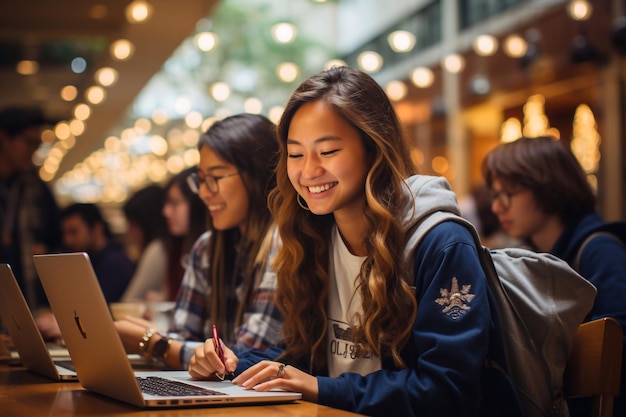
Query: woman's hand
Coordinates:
[267,375]
[206,363]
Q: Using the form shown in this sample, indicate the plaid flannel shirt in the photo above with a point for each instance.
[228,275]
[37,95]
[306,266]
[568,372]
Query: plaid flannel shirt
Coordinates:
[261,322]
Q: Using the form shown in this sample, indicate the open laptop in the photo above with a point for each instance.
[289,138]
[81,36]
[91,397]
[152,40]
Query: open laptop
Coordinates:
[99,356]
[19,321]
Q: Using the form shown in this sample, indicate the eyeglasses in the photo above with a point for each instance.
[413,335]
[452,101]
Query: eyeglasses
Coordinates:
[194,181]
[503,197]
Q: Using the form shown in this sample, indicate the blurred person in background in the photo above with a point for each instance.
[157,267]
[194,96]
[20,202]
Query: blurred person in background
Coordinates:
[85,230]
[29,213]
[476,207]
[541,195]
[186,217]
[147,230]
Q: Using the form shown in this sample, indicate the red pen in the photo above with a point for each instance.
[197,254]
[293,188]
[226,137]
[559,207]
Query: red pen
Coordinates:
[220,351]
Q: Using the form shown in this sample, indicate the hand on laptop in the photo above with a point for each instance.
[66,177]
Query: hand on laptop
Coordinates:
[206,362]
[268,375]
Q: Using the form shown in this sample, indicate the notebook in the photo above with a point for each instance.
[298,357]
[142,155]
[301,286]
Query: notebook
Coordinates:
[29,344]
[99,356]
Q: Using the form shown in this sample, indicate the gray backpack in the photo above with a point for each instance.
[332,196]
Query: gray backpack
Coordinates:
[541,301]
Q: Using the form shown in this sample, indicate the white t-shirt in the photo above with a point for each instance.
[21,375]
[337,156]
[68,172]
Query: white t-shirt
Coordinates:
[344,301]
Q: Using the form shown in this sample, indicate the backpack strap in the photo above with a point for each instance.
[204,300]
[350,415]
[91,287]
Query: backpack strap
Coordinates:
[589,238]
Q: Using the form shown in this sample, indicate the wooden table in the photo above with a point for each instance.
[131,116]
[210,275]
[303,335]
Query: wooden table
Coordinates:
[23,394]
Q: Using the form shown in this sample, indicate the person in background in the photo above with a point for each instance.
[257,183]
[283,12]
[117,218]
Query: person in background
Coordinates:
[228,281]
[541,195]
[186,218]
[85,230]
[477,209]
[367,327]
[147,233]
[29,214]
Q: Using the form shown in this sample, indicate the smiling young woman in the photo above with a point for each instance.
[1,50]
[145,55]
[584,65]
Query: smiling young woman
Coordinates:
[363,330]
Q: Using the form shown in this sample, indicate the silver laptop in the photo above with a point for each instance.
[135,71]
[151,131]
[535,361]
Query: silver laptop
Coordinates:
[98,354]
[17,318]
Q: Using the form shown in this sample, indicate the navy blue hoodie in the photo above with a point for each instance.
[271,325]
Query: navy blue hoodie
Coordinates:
[446,352]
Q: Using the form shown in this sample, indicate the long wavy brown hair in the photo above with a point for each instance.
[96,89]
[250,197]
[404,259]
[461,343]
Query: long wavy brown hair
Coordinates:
[388,304]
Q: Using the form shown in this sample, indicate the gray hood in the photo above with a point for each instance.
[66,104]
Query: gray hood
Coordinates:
[430,194]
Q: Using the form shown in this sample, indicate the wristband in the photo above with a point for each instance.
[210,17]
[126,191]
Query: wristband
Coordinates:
[143,343]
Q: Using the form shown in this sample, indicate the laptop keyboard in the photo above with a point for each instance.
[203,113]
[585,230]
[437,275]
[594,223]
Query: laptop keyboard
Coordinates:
[163,387]
[66,364]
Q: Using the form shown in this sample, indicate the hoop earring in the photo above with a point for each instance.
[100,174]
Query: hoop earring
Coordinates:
[302,203]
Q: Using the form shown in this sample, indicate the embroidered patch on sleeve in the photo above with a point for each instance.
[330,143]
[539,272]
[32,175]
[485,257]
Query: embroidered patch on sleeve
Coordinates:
[455,301]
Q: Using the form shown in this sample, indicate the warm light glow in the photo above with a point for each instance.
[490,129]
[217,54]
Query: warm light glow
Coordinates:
[417,156]
[77,127]
[138,11]
[401,41]
[82,111]
[287,72]
[453,63]
[206,41]
[191,137]
[515,46]
[284,32]
[47,136]
[253,105]
[396,90]
[27,67]
[95,94]
[370,61]
[175,164]
[511,130]
[106,76]
[62,131]
[69,93]
[335,63]
[191,157]
[579,9]
[159,117]
[158,145]
[485,45]
[143,126]
[122,49]
[440,165]
[535,120]
[220,91]
[193,119]
[422,77]
[275,113]
[585,143]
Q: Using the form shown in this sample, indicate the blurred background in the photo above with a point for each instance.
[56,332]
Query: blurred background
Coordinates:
[132,84]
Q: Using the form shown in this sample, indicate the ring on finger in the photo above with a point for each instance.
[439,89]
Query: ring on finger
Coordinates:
[281,370]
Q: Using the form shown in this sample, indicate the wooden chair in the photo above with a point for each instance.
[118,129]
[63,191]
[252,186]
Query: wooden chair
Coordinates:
[595,363]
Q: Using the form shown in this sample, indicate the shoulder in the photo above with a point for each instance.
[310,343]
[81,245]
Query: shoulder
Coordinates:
[156,248]
[202,242]
[447,233]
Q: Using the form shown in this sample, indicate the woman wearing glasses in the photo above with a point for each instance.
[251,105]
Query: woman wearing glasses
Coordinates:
[228,280]
[541,195]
